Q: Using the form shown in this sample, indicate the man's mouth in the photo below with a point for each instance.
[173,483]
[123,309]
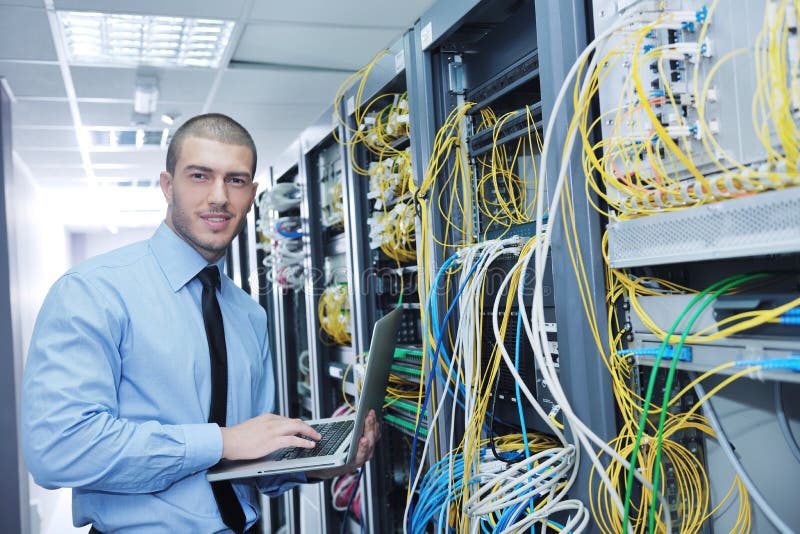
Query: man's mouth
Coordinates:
[216,221]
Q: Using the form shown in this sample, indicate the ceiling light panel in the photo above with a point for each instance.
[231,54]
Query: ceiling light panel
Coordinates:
[125,138]
[109,39]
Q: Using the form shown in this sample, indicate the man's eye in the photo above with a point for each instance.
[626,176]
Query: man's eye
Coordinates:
[237,181]
[197,176]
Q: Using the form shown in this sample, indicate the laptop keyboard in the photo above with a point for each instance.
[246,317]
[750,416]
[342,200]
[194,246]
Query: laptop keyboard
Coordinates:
[333,434]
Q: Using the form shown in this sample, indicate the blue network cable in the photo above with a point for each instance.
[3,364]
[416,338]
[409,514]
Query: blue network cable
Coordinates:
[509,516]
[433,496]
[287,234]
[434,358]
[523,427]
[433,312]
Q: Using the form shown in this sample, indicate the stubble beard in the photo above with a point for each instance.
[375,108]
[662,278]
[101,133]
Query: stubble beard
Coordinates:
[181,221]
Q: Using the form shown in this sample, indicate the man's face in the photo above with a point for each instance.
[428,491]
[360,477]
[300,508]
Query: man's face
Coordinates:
[210,194]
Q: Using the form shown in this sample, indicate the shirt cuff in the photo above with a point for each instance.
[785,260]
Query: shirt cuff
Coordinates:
[274,485]
[203,446]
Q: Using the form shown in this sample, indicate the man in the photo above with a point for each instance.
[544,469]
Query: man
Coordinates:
[146,367]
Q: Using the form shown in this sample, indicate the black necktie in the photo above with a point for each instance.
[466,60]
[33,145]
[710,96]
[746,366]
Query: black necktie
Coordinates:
[229,507]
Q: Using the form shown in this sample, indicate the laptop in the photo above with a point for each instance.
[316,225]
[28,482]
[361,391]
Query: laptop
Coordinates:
[340,435]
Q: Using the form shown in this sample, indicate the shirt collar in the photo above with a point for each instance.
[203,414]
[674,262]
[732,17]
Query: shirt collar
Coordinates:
[178,260]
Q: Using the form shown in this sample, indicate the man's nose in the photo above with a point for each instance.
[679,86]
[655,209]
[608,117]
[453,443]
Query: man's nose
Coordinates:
[219,192]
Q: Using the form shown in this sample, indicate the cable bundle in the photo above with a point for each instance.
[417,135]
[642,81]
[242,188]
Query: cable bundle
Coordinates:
[375,129]
[657,426]
[664,421]
[648,164]
[547,475]
[332,201]
[333,310]
[394,232]
[501,489]
[281,237]
[389,179]
[776,106]
[503,192]
[280,197]
[380,129]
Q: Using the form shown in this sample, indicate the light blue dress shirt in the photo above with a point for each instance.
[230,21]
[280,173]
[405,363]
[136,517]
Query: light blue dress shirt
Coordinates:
[116,390]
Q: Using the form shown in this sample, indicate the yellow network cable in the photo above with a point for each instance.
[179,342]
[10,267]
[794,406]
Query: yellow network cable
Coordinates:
[642,168]
[619,172]
[333,310]
[501,193]
[359,77]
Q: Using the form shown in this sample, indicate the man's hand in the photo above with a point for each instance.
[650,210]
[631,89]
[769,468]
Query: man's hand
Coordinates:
[366,446]
[264,434]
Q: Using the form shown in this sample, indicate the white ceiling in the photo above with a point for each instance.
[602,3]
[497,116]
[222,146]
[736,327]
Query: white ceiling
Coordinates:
[285,61]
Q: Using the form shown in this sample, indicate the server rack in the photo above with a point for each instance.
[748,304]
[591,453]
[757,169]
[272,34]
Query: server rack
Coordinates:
[378,198]
[488,52]
[323,171]
[288,338]
[710,236]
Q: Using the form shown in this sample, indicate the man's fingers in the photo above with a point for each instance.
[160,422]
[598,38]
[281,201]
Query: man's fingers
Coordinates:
[298,427]
[297,441]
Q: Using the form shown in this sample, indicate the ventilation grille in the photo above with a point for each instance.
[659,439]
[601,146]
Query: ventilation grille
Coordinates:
[766,223]
[103,138]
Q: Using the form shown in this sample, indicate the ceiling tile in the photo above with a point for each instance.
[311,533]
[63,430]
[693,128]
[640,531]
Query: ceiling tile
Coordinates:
[299,44]
[17,27]
[35,138]
[271,143]
[119,115]
[187,85]
[69,158]
[278,86]
[39,113]
[139,172]
[43,174]
[27,3]
[270,116]
[130,157]
[373,13]
[33,79]
[229,9]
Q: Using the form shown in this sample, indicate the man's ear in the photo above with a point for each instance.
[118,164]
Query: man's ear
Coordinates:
[166,186]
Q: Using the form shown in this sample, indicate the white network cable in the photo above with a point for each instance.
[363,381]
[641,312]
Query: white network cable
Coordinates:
[538,335]
[536,330]
[496,484]
[280,197]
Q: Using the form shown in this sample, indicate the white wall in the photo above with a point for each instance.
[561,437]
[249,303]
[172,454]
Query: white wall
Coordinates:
[38,251]
[41,250]
[90,243]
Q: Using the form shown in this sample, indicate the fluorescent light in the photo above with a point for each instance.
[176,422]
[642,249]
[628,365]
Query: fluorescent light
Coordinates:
[166,118]
[111,39]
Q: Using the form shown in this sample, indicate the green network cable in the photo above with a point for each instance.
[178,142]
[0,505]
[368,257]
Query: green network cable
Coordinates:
[651,387]
[737,280]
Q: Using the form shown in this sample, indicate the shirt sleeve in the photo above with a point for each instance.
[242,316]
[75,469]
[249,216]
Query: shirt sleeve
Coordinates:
[72,433]
[276,484]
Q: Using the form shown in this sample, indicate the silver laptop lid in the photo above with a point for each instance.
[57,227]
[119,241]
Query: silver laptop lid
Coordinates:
[379,363]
